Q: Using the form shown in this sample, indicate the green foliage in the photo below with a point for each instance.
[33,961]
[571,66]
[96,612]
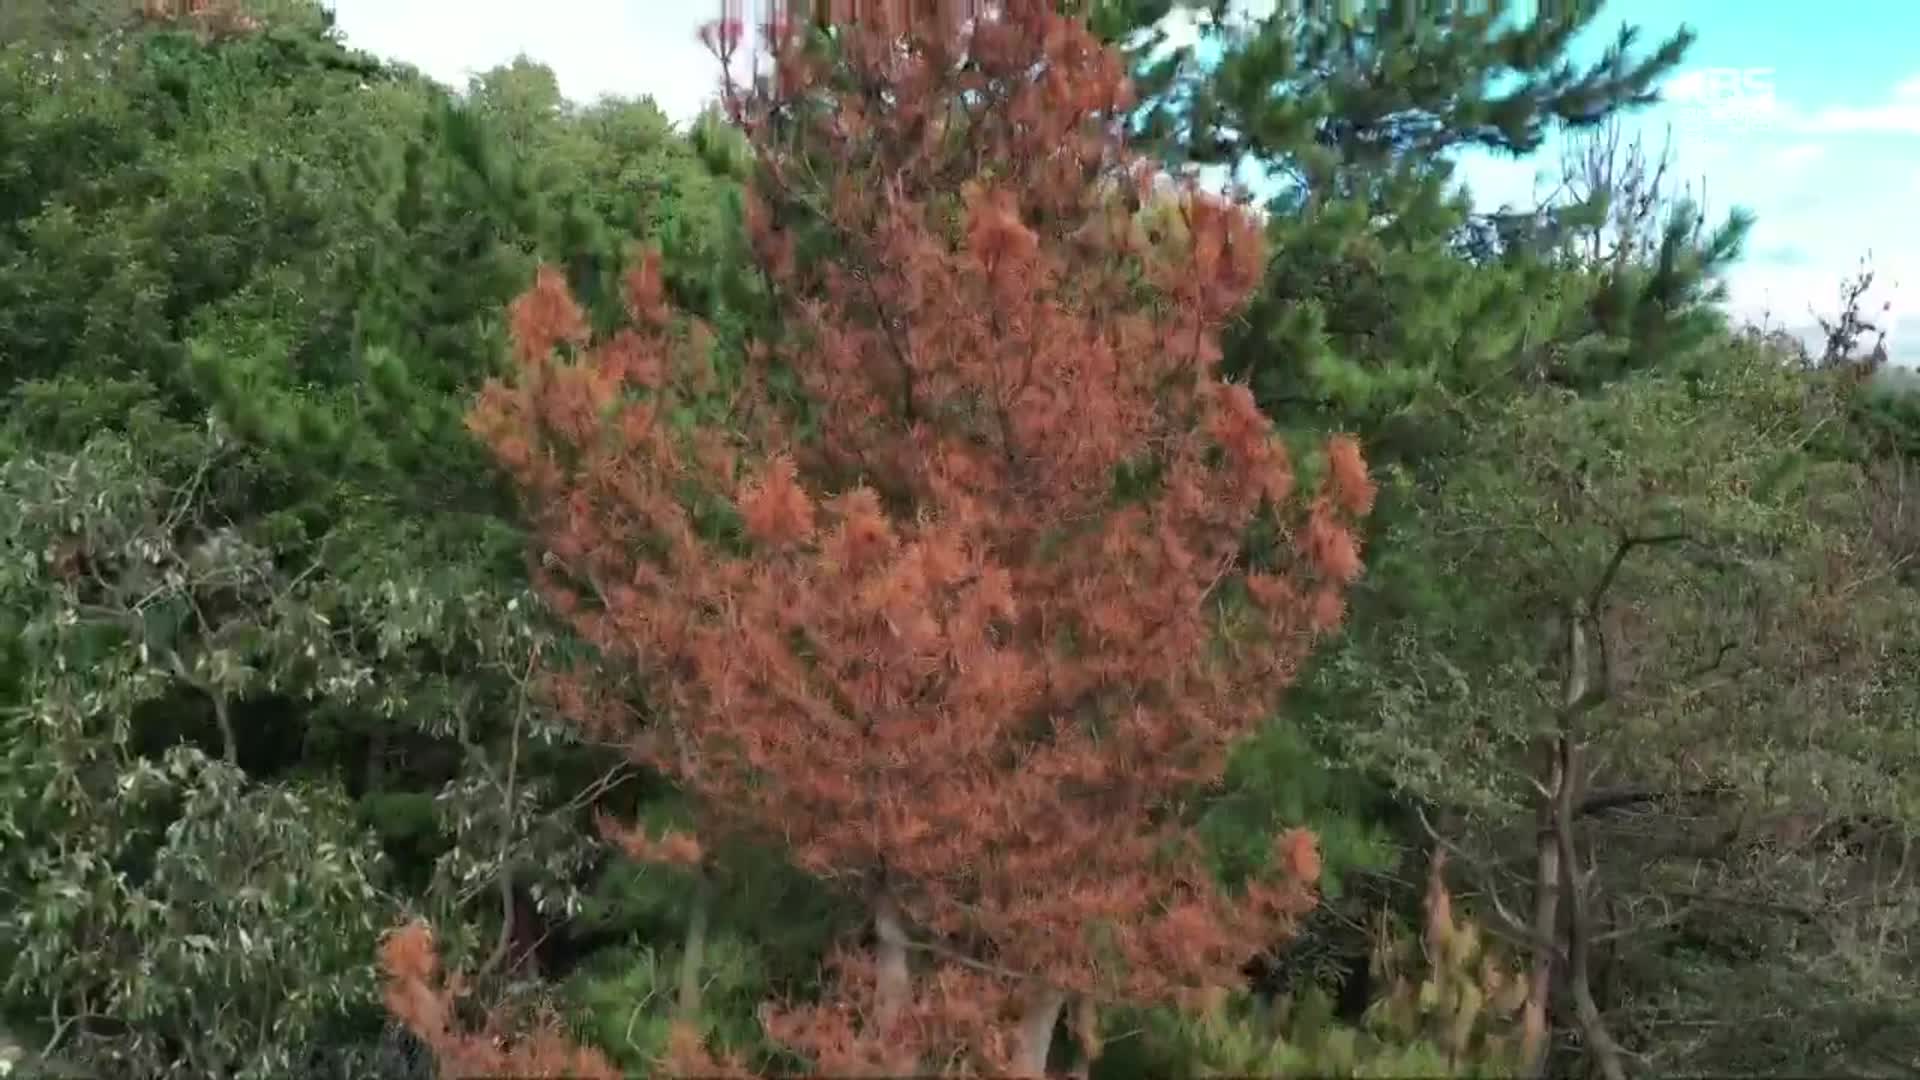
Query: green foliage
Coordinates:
[628,997]
[1549,489]
[263,894]
[764,928]
[1532,388]
[310,610]
[1337,94]
[1451,1015]
[262,677]
[174,886]
[1692,515]
[1388,296]
[1278,780]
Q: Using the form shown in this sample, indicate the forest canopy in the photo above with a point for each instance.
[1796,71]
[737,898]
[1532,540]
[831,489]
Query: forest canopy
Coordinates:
[897,576]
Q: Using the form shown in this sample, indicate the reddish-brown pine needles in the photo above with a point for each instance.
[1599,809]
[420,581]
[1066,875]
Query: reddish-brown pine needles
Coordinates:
[421,998]
[210,17]
[983,619]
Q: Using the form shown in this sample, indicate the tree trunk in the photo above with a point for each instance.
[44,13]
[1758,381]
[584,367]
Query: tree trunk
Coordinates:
[893,984]
[693,957]
[1036,1031]
[894,980]
[502,945]
[1086,1029]
[229,743]
[375,778]
[1593,1028]
[1535,1023]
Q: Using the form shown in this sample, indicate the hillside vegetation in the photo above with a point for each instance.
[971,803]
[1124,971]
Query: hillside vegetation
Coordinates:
[890,579]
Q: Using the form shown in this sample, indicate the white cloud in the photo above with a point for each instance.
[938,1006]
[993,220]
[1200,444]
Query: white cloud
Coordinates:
[595,47]
[1697,102]
[1903,341]
[1182,27]
[1899,114]
[1799,155]
[1796,297]
[1776,294]
[1891,118]
[1518,183]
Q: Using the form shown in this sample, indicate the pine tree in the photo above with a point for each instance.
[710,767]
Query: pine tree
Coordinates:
[1351,117]
[944,586]
[309,589]
[1340,97]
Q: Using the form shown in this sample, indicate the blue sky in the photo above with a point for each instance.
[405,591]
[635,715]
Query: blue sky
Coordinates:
[1832,169]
